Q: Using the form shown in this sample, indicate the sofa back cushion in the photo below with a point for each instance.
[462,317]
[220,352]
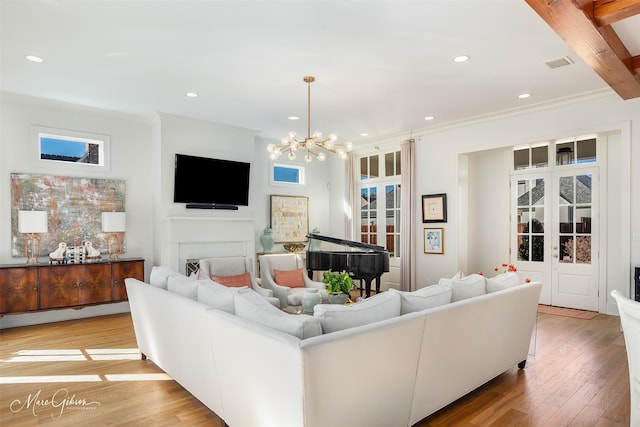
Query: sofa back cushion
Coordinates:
[183,285]
[216,296]
[502,281]
[467,287]
[159,276]
[427,297]
[335,317]
[235,281]
[289,278]
[249,305]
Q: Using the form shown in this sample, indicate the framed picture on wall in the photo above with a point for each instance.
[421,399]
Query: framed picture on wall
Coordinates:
[290,218]
[434,208]
[434,241]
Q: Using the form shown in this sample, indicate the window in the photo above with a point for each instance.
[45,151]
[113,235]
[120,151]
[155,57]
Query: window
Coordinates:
[65,148]
[531,157]
[569,151]
[576,151]
[380,201]
[287,174]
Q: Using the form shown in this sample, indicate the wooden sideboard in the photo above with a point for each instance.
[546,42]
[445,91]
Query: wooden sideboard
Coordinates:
[28,288]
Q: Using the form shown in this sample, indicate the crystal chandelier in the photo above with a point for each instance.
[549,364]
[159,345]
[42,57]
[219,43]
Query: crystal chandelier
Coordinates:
[315,145]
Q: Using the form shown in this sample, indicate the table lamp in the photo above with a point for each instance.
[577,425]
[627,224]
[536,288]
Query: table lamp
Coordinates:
[113,223]
[32,223]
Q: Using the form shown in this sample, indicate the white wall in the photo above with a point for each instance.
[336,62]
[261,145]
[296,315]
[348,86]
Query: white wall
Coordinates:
[142,153]
[439,152]
[130,160]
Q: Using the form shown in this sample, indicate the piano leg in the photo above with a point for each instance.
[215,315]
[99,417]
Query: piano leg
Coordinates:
[367,287]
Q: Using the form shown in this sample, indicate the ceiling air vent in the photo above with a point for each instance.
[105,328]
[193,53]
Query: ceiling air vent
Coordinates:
[560,62]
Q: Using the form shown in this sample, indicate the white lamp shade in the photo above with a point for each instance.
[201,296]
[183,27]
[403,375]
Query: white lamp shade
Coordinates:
[32,221]
[114,222]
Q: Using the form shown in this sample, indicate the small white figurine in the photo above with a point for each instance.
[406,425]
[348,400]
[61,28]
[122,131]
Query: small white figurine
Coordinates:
[59,254]
[90,251]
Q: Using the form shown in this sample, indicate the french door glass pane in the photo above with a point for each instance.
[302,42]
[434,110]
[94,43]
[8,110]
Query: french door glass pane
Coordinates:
[523,193]
[583,188]
[537,248]
[566,190]
[583,219]
[523,247]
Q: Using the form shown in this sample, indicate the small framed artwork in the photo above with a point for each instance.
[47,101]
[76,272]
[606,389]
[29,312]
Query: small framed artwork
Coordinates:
[434,241]
[434,208]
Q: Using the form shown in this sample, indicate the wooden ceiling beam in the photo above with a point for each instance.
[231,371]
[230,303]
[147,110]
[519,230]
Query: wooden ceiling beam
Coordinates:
[599,46]
[606,12]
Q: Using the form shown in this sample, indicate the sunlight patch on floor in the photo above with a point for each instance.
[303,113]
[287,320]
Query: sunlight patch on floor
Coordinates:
[138,377]
[74,355]
[50,379]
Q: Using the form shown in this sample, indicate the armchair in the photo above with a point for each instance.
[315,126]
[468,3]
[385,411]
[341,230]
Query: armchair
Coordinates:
[232,266]
[287,262]
[630,319]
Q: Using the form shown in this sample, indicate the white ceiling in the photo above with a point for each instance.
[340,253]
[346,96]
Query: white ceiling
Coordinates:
[380,66]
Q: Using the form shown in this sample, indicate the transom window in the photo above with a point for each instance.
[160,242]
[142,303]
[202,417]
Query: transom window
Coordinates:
[67,148]
[570,151]
[287,174]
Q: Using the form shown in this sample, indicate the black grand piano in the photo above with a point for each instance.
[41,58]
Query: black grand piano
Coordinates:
[364,262]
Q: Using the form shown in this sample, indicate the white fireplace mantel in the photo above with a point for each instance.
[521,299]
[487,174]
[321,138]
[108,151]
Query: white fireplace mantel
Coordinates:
[196,237]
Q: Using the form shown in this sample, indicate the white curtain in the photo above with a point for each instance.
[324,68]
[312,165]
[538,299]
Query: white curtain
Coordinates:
[407,217]
[350,197]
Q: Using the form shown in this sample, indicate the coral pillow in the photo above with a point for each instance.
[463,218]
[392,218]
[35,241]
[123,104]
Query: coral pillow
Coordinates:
[237,281]
[289,278]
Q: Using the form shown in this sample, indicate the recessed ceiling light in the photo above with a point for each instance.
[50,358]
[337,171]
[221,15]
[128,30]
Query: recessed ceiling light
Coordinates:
[364,134]
[429,118]
[191,94]
[293,118]
[461,58]
[524,95]
[34,58]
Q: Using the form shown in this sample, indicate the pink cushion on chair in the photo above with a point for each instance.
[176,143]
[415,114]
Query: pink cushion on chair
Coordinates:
[289,278]
[237,281]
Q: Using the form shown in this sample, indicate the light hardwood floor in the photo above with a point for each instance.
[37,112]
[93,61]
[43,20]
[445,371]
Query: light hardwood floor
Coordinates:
[577,377]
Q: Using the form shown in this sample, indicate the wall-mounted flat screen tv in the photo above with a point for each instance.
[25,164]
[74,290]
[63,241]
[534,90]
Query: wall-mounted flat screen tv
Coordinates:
[207,181]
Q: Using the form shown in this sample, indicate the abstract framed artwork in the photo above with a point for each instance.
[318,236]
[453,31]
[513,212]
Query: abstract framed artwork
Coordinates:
[434,241]
[289,218]
[74,206]
[434,208]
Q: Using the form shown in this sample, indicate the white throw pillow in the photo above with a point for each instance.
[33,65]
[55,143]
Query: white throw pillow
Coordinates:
[467,287]
[502,281]
[249,305]
[335,317]
[427,297]
[159,276]
[183,285]
[217,296]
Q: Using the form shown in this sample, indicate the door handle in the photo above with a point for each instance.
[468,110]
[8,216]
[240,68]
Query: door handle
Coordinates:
[555,255]
[555,248]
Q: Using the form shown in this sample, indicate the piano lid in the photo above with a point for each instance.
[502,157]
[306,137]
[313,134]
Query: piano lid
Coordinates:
[350,243]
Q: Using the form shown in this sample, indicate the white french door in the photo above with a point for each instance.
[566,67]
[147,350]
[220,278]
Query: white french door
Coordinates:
[555,234]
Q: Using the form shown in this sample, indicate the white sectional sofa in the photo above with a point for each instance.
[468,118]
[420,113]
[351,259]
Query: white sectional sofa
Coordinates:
[386,373]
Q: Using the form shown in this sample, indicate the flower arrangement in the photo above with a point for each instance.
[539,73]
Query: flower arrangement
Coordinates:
[506,268]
